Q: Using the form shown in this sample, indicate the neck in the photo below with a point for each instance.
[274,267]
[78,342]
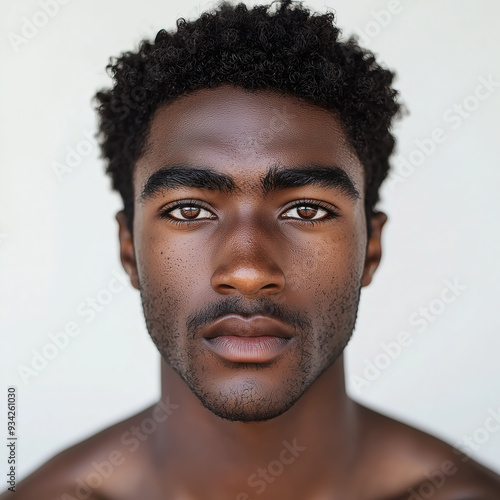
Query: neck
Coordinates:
[323,421]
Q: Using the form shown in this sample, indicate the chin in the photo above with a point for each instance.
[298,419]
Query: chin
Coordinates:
[249,398]
[244,412]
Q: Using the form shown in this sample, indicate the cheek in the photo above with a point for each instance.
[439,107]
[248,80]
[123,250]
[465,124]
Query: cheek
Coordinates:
[327,263]
[170,266]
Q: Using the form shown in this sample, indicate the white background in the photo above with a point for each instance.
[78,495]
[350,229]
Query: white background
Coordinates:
[59,246]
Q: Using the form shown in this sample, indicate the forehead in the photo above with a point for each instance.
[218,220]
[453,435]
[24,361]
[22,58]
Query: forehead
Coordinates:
[242,133]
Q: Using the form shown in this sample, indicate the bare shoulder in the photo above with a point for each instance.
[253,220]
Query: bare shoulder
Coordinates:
[105,465]
[418,466]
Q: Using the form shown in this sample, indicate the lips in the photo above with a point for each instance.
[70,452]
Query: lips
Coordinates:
[253,339]
[251,326]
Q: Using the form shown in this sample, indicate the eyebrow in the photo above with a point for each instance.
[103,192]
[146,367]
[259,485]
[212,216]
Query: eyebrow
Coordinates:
[277,178]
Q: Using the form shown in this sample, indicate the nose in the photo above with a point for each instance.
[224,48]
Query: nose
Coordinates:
[246,263]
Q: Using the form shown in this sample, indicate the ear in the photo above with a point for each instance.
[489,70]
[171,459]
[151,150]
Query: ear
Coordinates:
[127,255]
[374,247]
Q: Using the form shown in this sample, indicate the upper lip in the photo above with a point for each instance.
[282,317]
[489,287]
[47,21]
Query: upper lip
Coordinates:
[256,325]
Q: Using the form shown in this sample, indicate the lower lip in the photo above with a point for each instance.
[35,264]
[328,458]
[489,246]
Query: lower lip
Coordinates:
[248,349]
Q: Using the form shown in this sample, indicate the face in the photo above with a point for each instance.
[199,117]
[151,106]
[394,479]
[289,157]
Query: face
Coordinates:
[249,246]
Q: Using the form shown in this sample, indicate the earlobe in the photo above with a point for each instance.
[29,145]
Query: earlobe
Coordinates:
[374,247]
[127,255]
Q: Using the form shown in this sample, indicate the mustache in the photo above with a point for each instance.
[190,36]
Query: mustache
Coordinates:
[236,305]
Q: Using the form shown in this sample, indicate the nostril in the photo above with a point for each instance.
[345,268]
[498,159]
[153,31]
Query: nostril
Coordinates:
[226,287]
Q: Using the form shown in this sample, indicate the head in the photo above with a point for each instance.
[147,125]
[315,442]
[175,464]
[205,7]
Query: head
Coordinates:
[249,147]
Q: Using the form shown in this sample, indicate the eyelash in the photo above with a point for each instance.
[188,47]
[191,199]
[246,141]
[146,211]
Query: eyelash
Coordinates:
[331,214]
[182,204]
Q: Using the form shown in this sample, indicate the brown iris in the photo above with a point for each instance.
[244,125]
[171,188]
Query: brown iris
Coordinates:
[190,212]
[307,212]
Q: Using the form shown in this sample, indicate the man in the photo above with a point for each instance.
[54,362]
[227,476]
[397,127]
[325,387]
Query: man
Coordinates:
[249,148]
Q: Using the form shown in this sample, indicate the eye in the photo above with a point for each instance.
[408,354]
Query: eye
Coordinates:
[308,211]
[186,212]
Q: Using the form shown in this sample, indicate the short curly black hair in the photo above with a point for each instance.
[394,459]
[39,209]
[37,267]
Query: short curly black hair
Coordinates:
[287,49]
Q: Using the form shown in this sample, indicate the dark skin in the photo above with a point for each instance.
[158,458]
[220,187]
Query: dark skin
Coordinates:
[255,251]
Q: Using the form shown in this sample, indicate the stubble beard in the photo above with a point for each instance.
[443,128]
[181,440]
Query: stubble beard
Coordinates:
[315,352]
